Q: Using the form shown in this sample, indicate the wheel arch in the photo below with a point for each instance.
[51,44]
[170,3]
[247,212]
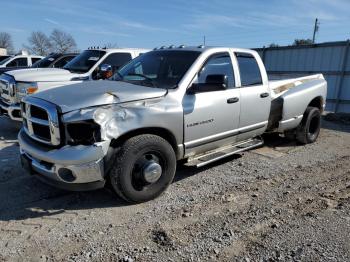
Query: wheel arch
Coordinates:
[158,131]
[317,102]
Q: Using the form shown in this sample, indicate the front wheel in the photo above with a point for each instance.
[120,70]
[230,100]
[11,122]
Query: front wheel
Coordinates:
[309,128]
[145,166]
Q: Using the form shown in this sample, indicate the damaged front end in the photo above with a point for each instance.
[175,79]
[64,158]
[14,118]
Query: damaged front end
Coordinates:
[79,167]
[81,158]
[105,123]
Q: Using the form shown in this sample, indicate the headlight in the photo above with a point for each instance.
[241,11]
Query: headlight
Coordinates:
[104,114]
[83,133]
[26,88]
[109,118]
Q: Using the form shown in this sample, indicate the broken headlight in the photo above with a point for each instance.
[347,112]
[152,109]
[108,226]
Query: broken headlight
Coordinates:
[108,117]
[83,133]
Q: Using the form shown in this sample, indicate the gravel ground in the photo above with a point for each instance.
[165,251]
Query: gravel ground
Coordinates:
[279,202]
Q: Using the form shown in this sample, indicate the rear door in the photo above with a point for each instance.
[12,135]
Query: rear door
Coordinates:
[211,118]
[255,97]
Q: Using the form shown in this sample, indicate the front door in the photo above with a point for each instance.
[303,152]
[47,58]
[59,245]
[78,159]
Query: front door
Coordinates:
[211,118]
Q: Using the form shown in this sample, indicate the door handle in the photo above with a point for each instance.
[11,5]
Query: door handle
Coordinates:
[262,95]
[232,100]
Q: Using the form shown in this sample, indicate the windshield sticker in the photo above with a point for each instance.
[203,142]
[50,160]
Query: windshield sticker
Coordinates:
[94,58]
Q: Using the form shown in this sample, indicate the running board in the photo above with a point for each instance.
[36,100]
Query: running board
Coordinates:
[220,153]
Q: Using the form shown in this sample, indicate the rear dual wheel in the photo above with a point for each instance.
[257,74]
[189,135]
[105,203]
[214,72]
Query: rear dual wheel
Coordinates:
[145,166]
[308,130]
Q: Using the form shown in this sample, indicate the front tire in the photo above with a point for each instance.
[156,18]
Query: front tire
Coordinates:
[145,166]
[309,128]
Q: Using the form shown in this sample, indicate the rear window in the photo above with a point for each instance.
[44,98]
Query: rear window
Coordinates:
[249,69]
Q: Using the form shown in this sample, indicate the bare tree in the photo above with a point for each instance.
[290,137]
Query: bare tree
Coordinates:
[62,42]
[302,42]
[39,44]
[6,42]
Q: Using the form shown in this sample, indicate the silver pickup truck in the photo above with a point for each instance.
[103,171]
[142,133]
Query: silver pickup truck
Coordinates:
[198,104]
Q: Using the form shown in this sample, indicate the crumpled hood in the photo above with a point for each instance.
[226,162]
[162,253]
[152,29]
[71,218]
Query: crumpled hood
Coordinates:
[42,75]
[95,93]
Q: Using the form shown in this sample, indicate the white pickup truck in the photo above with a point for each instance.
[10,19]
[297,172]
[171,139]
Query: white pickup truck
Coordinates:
[199,104]
[91,64]
[22,59]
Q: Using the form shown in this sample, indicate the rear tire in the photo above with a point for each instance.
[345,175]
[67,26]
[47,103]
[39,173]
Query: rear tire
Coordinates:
[145,166]
[309,128]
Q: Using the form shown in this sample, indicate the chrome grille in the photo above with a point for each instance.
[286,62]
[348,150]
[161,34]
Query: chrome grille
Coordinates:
[40,120]
[7,89]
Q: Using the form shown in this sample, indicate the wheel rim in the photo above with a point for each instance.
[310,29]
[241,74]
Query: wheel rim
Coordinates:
[147,171]
[314,126]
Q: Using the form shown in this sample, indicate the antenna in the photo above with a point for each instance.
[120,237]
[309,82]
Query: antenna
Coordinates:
[316,27]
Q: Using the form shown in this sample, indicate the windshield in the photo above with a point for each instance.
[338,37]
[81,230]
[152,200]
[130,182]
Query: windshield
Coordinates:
[85,61]
[5,60]
[162,69]
[45,62]
[2,58]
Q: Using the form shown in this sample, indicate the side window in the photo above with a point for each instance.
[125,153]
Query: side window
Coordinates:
[249,69]
[63,61]
[117,60]
[219,64]
[35,59]
[18,62]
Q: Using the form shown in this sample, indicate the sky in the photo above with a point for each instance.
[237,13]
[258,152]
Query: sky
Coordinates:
[153,23]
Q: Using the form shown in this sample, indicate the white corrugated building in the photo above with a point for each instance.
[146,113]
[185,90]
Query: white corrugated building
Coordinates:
[3,51]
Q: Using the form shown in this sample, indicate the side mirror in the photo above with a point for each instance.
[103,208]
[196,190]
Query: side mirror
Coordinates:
[212,83]
[106,71]
[220,80]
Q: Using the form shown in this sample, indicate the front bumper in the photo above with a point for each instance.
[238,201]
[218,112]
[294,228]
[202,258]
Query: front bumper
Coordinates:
[12,111]
[77,168]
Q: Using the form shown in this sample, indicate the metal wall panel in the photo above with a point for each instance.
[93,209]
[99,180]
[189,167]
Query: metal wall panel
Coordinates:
[331,59]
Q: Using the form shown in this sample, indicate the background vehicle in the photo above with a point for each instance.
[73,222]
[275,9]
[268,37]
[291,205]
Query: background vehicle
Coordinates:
[92,64]
[55,60]
[3,57]
[198,103]
[21,60]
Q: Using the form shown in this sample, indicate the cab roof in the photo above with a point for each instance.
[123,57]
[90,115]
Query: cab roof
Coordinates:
[199,48]
[116,50]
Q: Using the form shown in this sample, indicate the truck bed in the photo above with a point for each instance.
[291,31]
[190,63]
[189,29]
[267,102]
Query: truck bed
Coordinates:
[280,87]
[290,97]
